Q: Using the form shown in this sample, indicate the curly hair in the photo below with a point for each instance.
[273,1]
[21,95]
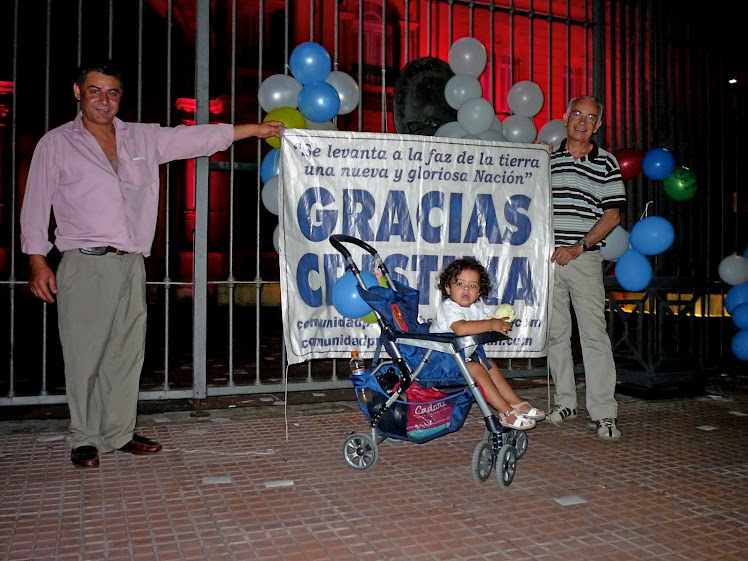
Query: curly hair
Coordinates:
[450,272]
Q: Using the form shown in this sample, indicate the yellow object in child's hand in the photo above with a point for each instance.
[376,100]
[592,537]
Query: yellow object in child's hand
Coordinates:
[505,311]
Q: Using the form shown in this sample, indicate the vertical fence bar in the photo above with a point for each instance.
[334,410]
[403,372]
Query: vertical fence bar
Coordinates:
[13,180]
[167,195]
[200,276]
[231,279]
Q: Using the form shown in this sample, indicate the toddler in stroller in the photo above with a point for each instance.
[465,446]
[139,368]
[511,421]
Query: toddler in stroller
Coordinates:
[420,360]
[463,284]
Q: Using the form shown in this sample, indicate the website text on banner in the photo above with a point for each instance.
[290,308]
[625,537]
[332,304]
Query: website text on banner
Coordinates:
[420,202]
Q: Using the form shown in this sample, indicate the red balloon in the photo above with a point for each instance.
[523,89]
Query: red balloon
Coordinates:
[630,161]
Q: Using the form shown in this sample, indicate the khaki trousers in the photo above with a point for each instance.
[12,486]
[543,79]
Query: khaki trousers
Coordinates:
[581,284]
[102,322]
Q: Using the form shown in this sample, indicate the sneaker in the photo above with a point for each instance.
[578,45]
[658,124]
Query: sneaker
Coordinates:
[606,429]
[558,414]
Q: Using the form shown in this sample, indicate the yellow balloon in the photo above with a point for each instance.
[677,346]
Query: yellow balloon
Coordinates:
[290,117]
[369,318]
[383,282]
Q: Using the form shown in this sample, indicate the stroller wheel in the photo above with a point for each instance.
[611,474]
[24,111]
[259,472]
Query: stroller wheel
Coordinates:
[518,439]
[360,451]
[482,462]
[506,464]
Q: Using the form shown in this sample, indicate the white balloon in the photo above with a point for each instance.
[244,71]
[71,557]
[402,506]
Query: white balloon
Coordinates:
[492,135]
[451,130]
[476,115]
[279,90]
[734,270]
[525,98]
[270,195]
[615,244]
[467,56]
[324,126]
[276,239]
[461,87]
[347,89]
[553,132]
[518,128]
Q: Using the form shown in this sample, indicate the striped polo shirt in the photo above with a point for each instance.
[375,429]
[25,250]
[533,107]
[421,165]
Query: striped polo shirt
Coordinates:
[582,190]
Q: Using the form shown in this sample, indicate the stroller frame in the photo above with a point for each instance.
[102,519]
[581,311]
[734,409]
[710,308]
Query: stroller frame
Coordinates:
[500,449]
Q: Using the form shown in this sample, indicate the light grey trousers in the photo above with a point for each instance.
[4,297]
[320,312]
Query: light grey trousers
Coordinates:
[102,321]
[581,284]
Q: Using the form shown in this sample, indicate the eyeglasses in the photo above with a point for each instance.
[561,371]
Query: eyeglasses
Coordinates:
[591,118]
[459,283]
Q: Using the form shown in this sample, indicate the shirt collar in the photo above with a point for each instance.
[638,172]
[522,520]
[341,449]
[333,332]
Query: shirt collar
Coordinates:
[119,125]
[591,155]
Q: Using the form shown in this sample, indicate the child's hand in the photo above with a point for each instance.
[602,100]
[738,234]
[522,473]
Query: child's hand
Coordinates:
[502,325]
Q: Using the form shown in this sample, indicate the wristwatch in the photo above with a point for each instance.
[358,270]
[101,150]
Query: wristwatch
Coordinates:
[583,243]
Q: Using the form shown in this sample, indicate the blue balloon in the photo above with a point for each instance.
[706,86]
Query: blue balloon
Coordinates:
[737,295]
[270,166]
[740,316]
[319,101]
[310,62]
[740,345]
[346,298]
[633,271]
[658,163]
[745,253]
[652,235]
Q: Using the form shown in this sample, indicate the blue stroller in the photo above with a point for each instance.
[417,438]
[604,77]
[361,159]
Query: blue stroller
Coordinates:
[421,359]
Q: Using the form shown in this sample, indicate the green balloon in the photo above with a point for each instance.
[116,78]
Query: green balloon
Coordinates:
[681,184]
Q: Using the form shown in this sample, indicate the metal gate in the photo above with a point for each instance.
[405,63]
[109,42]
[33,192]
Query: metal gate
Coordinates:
[214,317]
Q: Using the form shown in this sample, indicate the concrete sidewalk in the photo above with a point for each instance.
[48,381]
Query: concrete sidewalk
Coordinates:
[252,484]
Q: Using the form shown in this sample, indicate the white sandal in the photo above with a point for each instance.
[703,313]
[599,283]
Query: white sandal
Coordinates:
[533,413]
[520,421]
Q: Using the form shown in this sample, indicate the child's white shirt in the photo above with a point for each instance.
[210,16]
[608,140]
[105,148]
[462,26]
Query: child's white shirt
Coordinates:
[449,312]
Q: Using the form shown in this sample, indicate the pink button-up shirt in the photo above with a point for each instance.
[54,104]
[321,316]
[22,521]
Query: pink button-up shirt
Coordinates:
[93,204]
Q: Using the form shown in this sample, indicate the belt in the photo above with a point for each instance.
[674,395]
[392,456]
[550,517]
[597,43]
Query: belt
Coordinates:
[102,250]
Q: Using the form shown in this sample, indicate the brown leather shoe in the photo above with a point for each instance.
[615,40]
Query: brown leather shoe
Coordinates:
[85,456]
[141,445]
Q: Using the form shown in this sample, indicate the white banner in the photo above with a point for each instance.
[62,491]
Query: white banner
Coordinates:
[420,202]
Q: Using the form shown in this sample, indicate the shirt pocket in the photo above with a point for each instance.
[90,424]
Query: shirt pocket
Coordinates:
[138,172]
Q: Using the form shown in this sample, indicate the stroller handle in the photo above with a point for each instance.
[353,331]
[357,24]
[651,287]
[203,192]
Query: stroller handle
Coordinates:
[337,241]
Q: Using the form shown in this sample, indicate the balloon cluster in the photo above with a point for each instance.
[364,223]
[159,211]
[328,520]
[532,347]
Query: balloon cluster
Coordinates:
[678,182]
[476,117]
[733,270]
[312,96]
[307,100]
[649,236]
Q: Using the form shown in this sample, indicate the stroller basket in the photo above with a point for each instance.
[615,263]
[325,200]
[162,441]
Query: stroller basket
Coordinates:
[413,421]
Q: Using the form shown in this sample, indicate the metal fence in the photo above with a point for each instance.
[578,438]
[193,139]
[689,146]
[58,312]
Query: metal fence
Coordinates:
[214,317]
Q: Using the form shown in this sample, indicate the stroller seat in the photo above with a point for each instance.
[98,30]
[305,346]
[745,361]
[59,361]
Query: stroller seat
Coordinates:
[421,361]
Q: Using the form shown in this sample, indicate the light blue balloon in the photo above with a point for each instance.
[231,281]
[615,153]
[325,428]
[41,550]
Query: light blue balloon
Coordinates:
[270,165]
[310,62]
[658,163]
[616,244]
[633,271]
[740,345]
[737,295]
[346,298]
[652,235]
[319,101]
[461,87]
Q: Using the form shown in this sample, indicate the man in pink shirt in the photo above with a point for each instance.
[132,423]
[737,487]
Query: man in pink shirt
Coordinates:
[100,176]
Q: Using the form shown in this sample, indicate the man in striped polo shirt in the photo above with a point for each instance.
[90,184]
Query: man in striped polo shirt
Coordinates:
[588,194]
